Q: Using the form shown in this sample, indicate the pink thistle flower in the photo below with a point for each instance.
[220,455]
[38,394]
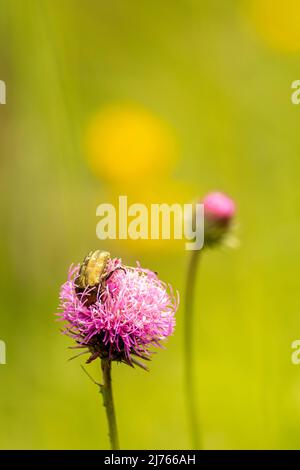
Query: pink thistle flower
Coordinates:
[219,210]
[132,311]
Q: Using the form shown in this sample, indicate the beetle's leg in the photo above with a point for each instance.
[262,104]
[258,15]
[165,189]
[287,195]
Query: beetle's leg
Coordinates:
[107,276]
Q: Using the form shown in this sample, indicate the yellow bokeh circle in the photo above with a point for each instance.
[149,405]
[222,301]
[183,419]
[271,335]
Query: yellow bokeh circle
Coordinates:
[278,22]
[126,144]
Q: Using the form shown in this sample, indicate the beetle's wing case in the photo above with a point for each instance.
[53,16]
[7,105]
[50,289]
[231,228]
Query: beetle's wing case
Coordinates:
[93,268]
[81,281]
[96,267]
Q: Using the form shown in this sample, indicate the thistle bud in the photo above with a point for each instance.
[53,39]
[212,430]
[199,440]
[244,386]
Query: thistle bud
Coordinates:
[219,211]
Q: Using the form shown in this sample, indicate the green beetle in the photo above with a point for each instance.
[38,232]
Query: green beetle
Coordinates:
[93,269]
[92,274]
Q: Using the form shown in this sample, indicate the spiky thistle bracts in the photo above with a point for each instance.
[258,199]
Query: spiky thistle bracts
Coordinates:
[133,311]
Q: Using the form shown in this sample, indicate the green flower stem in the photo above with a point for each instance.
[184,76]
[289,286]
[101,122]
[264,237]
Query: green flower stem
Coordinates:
[189,378]
[106,390]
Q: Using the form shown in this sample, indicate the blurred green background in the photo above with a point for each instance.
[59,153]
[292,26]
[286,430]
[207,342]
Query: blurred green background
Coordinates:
[215,78]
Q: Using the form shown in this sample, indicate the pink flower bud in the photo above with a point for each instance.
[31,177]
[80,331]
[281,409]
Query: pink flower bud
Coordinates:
[219,211]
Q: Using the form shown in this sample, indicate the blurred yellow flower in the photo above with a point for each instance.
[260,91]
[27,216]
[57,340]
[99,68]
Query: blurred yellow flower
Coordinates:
[278,23]
[127,144]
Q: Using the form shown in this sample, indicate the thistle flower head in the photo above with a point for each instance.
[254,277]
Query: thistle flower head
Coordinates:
[219,211]
[131,310]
